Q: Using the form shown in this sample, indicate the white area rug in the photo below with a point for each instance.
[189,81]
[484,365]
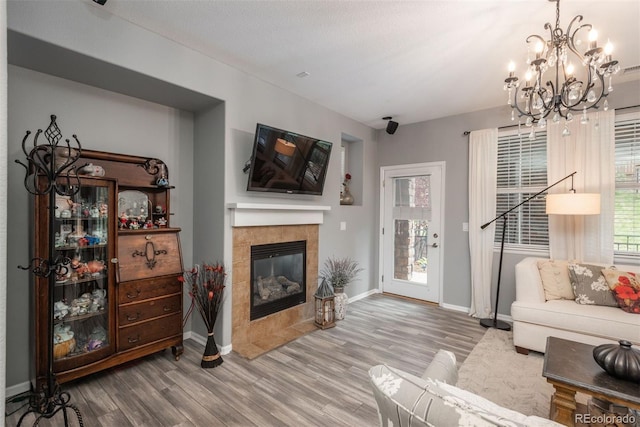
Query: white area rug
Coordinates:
[496,372]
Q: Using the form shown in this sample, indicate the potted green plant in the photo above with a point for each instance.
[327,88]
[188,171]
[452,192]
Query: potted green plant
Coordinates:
[340,272]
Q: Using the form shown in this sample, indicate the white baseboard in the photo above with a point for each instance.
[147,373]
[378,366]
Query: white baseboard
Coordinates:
[465,310]
[364,295]
[225,349]
[455,307]
[17,389]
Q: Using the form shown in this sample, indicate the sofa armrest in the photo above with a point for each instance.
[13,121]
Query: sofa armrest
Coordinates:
[442,368]
[406,400]
[528,282]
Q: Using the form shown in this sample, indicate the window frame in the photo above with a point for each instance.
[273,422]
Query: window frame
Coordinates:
[620,256]
[522,135]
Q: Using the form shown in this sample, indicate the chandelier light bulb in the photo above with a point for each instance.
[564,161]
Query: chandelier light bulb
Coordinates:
[527,77]
[511,67]
[570,69]
[593,35]
[608,48]
[539,47]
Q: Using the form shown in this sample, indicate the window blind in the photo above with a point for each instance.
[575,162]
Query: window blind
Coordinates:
[522,172]
[627,197]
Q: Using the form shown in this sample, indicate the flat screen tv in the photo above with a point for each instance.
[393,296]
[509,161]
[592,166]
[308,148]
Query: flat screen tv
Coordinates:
[287,162]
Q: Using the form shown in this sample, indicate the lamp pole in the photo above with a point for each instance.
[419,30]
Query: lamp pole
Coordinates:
[494,322]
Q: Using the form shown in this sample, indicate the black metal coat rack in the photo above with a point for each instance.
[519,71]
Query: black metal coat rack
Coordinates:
[50,170]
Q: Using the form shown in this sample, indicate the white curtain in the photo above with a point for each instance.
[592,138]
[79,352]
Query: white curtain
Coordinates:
[590,151]
[483,160]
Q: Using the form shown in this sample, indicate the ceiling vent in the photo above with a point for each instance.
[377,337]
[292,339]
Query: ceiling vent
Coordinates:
[630,70]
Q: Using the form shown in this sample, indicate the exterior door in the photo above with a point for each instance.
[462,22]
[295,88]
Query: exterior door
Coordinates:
[411,209]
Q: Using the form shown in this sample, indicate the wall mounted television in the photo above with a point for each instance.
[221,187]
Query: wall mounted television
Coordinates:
[287,162]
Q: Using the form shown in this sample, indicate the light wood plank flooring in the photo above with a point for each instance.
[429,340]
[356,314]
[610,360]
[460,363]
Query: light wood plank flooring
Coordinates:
[318,380]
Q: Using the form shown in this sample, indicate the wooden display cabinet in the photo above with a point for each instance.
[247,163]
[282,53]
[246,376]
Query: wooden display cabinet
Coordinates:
[119,297]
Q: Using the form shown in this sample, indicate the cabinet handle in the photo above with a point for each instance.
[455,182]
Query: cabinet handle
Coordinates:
[131,296]
[149,254]
[133,340]
[167,308]
[131,318]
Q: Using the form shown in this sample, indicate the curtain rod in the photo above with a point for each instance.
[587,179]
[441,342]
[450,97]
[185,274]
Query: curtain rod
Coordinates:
[467,132]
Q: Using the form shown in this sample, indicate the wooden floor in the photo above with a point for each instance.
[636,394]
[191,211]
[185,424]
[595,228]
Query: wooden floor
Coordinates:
[318,380]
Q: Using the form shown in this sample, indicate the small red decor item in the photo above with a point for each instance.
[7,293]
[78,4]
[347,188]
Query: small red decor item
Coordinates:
[628,298]
[625,287]
[206,285]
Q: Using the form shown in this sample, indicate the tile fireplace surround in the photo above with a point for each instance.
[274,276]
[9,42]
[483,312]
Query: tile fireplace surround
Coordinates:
[255,224]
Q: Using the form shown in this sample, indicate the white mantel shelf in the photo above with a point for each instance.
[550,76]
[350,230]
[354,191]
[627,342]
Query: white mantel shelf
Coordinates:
[257,214]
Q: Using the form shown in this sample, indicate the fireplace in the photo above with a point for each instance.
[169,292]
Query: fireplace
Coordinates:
[278,277]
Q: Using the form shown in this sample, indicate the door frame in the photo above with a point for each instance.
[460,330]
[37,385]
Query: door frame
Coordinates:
[413,169]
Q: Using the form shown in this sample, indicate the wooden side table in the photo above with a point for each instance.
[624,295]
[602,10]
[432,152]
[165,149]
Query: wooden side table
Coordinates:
[569,366]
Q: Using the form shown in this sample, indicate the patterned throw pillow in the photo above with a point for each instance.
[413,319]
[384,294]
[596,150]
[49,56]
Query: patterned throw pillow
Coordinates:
[625,287]
[589,285]
[555,279]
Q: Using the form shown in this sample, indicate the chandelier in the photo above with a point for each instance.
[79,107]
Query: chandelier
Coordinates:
[559,80]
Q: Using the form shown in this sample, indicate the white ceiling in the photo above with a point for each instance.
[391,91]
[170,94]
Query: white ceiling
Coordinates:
[413,60]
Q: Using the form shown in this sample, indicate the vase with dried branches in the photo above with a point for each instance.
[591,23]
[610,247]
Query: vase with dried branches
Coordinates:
[340,272]
[206,285]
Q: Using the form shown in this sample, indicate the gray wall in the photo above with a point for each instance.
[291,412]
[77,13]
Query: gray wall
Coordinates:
[103,121]
[109,122]
[443,140]
[208,190]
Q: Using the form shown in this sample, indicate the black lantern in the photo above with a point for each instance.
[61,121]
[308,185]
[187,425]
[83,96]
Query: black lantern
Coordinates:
[324,306]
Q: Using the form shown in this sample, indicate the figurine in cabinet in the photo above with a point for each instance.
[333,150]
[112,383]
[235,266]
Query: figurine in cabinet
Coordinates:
[103,209]
[123,220]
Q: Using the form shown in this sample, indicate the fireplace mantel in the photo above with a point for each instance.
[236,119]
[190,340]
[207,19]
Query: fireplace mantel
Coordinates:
[260,214]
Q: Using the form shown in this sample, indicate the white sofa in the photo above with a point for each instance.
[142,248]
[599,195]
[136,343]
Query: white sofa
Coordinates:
[434,400]
[534,318]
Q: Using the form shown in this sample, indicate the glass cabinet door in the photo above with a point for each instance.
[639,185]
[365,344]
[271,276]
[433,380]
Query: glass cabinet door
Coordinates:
[82,321]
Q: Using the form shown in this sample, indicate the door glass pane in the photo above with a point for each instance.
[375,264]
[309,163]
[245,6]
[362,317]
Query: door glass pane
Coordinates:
[412,192]
[411,213]
[410,250]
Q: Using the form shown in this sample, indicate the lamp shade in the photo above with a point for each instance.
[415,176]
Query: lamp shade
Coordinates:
[573,204]
[285,147]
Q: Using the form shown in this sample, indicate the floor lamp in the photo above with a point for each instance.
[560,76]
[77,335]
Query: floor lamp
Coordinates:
[569,203]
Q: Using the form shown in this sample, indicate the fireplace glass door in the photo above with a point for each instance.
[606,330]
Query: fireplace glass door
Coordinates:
[278,276]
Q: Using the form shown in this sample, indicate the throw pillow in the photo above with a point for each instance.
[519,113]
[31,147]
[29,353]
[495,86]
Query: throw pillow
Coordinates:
[555,279]
[625,287]
[589,285]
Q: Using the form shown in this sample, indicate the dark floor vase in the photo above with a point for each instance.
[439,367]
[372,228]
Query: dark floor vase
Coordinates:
[211,357]
[621,361]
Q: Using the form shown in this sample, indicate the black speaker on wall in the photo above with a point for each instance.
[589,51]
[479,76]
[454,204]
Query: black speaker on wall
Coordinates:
[100,2]
[391,126]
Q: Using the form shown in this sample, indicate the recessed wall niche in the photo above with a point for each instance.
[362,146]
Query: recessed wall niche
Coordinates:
[351,162]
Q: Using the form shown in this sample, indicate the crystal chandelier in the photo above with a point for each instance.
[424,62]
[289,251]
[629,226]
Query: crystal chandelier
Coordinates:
[559,80]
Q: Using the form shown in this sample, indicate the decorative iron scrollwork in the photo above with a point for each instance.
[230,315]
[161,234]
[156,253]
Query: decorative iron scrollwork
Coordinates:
[149,253]
[43,267]
[53,160]
[152,166]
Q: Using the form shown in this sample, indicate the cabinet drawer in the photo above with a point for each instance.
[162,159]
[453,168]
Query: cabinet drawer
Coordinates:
[132,313]
[140,290]
[145,255]
[146,332]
